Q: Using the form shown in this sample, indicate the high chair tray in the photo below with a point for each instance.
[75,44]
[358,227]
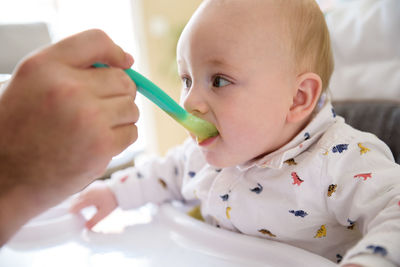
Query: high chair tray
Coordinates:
[147,237]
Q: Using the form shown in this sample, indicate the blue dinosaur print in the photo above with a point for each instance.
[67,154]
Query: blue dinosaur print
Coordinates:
[340,148]
[218,170]
[306,136]
[139,175]
[257,189]
[299,213]
[191,174]
[352,224]
[176,172]
[339,258]
[333,113]
[377,250]
[224,197]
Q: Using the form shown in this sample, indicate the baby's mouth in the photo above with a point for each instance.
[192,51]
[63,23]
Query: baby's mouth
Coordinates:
[206,142]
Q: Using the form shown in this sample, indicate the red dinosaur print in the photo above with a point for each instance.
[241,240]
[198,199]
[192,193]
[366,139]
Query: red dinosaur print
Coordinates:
[365,176]
[123,179]
[296,179]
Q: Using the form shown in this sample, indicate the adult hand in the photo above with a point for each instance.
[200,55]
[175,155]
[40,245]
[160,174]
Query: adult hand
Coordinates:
[61,122]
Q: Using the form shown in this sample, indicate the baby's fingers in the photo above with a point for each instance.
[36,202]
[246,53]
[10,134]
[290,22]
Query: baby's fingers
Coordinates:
[91,196]
[79,203]
[97,217]
[82,201]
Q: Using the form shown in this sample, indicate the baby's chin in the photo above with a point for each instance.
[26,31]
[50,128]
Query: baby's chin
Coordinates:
[217,165]
[220,161]
[215,156]
[222,164]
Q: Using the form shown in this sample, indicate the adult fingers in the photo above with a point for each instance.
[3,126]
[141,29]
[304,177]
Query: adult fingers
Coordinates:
[85,48]
[121,110]
[124,136]
[109,82]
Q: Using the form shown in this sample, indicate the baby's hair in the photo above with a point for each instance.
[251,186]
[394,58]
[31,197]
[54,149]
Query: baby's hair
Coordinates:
[310,41]
[306,36]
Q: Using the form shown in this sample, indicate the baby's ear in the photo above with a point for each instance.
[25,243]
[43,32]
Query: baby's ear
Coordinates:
[309,86]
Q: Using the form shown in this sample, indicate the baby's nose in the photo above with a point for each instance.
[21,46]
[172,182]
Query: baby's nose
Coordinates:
[194,100]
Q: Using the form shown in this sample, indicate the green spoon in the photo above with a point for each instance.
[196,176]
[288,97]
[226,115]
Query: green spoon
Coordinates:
[199,127]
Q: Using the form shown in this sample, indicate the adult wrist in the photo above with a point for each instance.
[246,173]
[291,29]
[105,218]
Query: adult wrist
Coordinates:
[18,204]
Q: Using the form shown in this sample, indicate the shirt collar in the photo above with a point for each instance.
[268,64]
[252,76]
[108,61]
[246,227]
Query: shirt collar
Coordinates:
[308,136]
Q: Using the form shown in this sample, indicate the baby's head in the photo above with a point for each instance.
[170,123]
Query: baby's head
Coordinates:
[309,38]
[256,70]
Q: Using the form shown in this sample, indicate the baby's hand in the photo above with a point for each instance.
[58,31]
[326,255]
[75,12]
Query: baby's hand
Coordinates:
[99,195]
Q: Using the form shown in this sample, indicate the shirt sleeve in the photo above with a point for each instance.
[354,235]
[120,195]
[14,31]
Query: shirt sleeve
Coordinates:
[367,197]
[157,180]
[368,260]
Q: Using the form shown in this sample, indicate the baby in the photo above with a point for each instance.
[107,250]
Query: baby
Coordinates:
[284,167]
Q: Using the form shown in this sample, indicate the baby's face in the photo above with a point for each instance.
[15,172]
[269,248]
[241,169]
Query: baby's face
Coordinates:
[237,74]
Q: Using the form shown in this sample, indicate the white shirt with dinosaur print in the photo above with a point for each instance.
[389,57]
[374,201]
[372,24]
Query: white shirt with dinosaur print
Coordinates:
[332,190]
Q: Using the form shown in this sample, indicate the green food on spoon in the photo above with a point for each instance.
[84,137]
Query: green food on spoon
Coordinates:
[199,127]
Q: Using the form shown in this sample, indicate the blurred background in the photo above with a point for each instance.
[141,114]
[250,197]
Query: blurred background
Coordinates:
[363,33]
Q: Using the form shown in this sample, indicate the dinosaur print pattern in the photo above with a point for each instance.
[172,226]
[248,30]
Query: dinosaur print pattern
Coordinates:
[176,171]
[331,189]
[258,189]
[363,149]
[340,148]
[302,197]
[290,162]
[224,197]
[365,176]
[333,113]
[352,224]
[162,183]
[296,179]
[377,250]
[266,232]
[299,213]
[123,179]
[339,258]
[228,212]
[321,232]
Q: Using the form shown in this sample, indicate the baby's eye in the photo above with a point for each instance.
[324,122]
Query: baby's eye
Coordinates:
[220,82]
[187,83]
